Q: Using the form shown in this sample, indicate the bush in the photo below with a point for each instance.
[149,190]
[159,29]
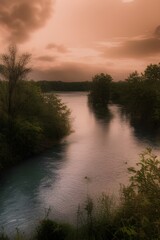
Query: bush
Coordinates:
[29,121]
[49,230]
[137,216]
[37,122]
[140,209]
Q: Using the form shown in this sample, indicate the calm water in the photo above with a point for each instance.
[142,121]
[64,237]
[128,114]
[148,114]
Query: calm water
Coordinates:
[98,148]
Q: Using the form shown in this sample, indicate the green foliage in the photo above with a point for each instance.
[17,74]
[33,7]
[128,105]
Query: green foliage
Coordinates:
[3,237]
[134,78]
[56,117]
[137,216]
[19,235]
[96,219]
[25,138]
[100,90]
[49,230]
[152,72]
[37,122]
[140,96]
[141,199]
[29,120]
[144,103]
[119,92]
[13,68]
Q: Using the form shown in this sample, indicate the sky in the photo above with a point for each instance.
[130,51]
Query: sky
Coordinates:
[72,40]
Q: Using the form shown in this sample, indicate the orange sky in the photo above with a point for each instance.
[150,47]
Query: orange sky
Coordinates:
[71,40]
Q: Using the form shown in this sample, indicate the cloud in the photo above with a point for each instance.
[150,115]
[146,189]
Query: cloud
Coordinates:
[67,72]
[147,46]
[19,18]
[46,58]
[77,72]
[57,47]
[157,32]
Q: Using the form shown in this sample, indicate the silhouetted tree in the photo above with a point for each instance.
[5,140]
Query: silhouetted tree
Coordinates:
[100,89]
[134,77]
[13,68]
[140,96]
[29,120]
[152,72]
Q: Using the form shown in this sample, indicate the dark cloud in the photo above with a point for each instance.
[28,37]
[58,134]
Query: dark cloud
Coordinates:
[19,18]
[59,48]
[135,48]
[46,58]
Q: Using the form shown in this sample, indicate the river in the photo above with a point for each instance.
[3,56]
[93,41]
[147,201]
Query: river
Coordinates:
[100,148]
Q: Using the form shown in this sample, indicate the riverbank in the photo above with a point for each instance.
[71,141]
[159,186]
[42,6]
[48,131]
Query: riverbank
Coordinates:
[37,123]
[100,148]
[136,216]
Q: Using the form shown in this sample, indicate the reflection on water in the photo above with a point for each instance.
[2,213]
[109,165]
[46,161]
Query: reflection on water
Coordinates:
[147,133]
[100,113]
[99,147]
[19,189]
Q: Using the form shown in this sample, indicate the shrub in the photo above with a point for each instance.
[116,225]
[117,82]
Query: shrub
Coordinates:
[49,230]
[140,209]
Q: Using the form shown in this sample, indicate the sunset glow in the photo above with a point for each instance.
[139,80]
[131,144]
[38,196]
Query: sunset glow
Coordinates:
[85,37]
[125,1]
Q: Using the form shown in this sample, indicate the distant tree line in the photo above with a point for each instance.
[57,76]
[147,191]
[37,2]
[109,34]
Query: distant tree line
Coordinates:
[49,86]
[139,95]
[30,121]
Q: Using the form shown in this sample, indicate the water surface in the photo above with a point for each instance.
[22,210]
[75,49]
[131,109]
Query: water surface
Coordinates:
[100,148]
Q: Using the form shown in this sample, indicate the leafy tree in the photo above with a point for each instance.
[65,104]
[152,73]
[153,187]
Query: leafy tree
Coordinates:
[119,92]
[29,120]
[134,78]
[140,96]
[152,72]
[13,68]
[100,89]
